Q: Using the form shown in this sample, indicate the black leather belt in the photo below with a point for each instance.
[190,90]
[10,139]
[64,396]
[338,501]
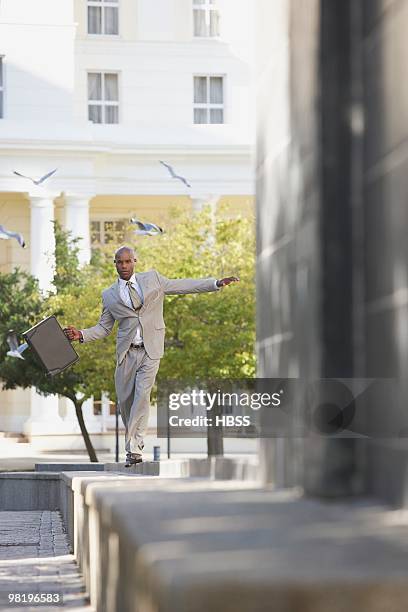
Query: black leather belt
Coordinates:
[137,345]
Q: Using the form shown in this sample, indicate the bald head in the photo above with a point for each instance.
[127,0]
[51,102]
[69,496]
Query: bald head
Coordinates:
[125,259]
[123,249]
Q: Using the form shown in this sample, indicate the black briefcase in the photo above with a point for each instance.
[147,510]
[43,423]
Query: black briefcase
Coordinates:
[50,344]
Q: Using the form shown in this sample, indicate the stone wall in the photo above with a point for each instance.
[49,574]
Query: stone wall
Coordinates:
[332,268]
[385,182]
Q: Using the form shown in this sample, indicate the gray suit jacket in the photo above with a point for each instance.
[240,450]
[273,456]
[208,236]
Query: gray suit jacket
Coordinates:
[154,287]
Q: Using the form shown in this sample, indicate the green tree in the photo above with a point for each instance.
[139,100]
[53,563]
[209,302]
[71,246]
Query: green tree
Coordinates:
[78,300]
[211,336]
[22,306]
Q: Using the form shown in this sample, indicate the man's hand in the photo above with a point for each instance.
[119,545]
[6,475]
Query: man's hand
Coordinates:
[72,333]
[227,281]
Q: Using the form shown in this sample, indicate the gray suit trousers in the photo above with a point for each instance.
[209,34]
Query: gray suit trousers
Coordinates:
[134,379]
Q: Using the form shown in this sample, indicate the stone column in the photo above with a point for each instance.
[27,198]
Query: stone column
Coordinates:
[77,222]
[93,422]
[201,201]
[44,414]
[44,418]
[106,417]
[42,240]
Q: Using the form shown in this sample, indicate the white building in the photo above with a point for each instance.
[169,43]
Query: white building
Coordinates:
[101,90]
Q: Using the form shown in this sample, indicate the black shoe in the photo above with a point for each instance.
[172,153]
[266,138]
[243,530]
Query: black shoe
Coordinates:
[133,459]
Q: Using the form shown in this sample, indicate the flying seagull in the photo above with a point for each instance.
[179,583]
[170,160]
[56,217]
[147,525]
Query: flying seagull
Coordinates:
[40,180]
[15,348]
[173,174]
[146,229]
[6,235]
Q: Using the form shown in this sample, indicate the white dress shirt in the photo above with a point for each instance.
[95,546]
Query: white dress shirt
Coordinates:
[125,296]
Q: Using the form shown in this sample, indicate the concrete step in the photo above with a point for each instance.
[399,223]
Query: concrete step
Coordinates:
[69,467]
[7,443]
[29,491]
[150,468]
[17,438]
[194,546]
[224,468]
[11,447]
[213,467]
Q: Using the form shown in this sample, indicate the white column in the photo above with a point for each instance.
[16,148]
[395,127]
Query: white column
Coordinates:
[77,222]
[68,416]
[92,421]
[107,418]
[44,415]
[201,201]
[42,240]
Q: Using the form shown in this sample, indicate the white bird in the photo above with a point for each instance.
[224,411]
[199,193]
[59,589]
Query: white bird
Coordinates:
[15,348]
[6,235]
[40,180]
[173,174]
[146,229]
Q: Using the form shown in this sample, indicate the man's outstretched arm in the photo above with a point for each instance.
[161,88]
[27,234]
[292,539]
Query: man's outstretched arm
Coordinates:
[102,329]
[173,286]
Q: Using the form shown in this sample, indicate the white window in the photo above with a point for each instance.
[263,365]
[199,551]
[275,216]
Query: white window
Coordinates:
[108,231]
[1,88]
[103,17]
[208,99]
[104,402]
[103,97]
[206,18]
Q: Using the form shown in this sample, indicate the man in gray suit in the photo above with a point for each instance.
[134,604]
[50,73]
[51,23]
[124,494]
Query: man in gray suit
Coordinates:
[136,302]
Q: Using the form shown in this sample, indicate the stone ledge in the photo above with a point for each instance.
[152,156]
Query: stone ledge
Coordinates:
[150,468]
[29,476]
[188,546]
[29,491]
[71,502]
[194,545]
[214,467]
[69,467]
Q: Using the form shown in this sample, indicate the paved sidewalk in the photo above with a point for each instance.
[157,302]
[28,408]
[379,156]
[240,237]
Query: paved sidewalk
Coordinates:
[35,558]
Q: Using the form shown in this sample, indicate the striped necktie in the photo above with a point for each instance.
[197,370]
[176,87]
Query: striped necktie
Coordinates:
[134,296]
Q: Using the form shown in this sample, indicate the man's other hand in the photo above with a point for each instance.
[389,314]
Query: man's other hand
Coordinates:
[72,333]
[227,281]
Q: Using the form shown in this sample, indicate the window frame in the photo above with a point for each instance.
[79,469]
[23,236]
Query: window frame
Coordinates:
[207,7]
[3,85]
[101,410]
[102,4]
[103,103]
[102,231]
[208,106]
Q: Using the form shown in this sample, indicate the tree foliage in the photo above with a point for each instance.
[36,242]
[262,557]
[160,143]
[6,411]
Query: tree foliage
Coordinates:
[22,306]
[211,335]
[208,336]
